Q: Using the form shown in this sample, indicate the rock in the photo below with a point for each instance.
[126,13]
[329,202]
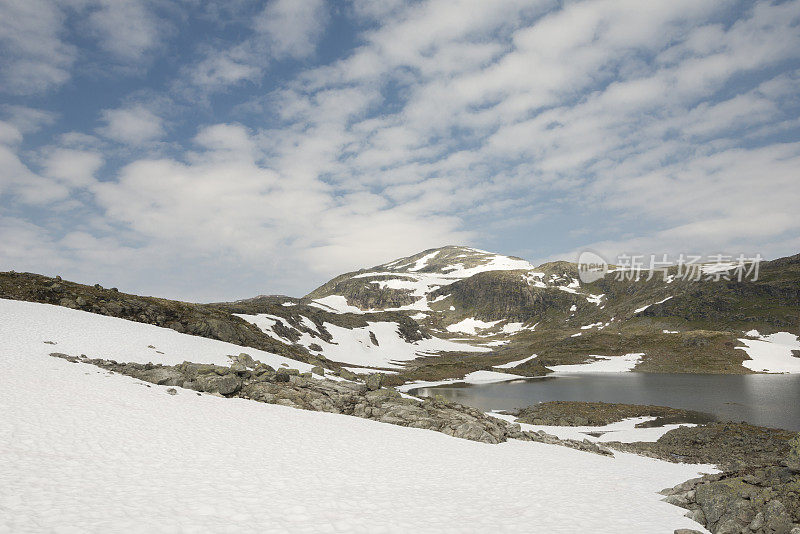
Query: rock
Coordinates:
[238,368]
[686,531]
[373,382]
[347,375]
[224,385]
[246,360]
[792,460]
[80,301]
[172,391]
[317,370]
[776,517]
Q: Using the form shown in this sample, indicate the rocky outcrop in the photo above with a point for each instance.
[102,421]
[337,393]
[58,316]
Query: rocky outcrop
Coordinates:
[753,501]
[732,446]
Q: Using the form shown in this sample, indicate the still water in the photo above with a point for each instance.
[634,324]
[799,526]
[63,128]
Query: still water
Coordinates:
[765,400]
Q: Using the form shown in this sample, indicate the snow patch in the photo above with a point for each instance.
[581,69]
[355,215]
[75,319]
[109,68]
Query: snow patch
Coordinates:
[509,365]
[606,364]
[772,353]
[470,325]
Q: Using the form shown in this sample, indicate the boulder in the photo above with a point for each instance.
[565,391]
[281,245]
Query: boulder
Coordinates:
[373,382]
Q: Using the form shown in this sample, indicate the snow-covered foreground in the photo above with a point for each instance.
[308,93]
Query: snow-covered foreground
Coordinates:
[82,450]
[772,353]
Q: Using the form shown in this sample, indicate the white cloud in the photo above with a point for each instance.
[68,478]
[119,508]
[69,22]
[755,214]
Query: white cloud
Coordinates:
[34,59]
[134,125]
[125,28]
[293,27]
[74,168]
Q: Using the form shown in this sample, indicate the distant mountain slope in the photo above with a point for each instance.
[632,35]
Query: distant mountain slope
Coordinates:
[404,284]
[679,325]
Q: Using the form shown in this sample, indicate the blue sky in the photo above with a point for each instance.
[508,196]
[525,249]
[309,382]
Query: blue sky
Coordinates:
[217,150]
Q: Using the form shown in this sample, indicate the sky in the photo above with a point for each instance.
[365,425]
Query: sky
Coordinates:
[216,150]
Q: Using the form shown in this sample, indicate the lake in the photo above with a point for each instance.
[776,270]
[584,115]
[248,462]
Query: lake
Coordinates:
[765,400]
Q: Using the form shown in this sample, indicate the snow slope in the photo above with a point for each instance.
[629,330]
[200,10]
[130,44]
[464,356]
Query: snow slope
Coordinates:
[77,332]
[82,450]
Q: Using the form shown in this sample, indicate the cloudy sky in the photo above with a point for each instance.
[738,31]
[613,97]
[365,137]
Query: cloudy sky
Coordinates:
[217,150]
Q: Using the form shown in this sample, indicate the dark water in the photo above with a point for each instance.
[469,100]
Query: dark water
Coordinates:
[766,400]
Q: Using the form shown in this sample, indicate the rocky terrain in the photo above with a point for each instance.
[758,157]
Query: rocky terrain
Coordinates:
[574,413]
[759,490]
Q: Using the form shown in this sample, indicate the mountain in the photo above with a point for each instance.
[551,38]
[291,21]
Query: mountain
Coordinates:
[444,313]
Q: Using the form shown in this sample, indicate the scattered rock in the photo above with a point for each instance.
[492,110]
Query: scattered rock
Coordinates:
[172,391]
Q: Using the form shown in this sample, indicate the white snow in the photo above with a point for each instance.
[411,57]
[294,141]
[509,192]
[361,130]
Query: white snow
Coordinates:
[772,353]
[513,328]
[368,370]
[606,364]
[470,325]
[593,325]
[643,308]
[509,365]
[671,331]
[82,450]
[77,332]
[595,299]
[579,334]
[287,304]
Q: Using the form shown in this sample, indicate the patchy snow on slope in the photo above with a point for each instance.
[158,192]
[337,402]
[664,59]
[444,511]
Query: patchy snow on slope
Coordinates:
[771,353]
[476,377]
[423,261]
[470,325]
[509,365]
[335,304]
[266,323]
[624,431]
[76,332]
[643,308]
[88,451]
[606,364]
[355,346]
[595,299]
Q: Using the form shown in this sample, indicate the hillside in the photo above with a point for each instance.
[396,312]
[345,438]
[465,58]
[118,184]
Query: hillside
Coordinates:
[445,313]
